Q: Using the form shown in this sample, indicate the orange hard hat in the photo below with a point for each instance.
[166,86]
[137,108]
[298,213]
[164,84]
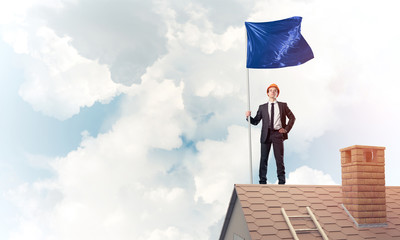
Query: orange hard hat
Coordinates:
[275,86]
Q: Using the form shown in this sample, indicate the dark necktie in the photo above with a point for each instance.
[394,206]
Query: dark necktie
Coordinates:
[272,116]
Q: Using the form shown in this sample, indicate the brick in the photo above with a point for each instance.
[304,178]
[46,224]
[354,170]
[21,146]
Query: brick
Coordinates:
[375,220]
[375,208]
[360,188]
[357,201]
[362,201]
[380,159]
[364,188]
[367,179]
[354,181]
[379,189]
[352,168]
[361,181]
[350,195]
[348,176]
[371,194]
[347,188]
[378,175]
[364,168]
[378,169]
[362,175]
[360,220]
[374,181]
[367,166]
[356,151]
[346,169]
[347,201]
[380,153]
[369,214]
[379,214]
[359,208]
[357,158]
[345,160]
[345,154]
[369,201]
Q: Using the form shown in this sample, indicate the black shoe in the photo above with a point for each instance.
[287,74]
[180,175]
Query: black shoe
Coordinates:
[281,183]
[263,183]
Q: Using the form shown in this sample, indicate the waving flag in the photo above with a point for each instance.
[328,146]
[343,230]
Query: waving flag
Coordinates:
[276,44]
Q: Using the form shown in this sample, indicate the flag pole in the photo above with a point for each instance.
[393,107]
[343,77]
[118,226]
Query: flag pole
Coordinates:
[248,120]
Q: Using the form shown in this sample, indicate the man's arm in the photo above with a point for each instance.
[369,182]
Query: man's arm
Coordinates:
[291,117]
[256,119]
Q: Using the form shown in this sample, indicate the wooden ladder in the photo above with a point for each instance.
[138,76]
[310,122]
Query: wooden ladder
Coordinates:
[310,215]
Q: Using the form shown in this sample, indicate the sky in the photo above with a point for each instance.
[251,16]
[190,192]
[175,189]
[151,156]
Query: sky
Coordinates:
[125,119]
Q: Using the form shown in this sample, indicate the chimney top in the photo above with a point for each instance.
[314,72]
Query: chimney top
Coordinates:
[361,147]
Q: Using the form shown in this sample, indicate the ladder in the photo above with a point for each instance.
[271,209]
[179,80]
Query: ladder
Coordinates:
[310,215]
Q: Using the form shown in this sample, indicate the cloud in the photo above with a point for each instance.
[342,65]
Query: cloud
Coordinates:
[109,188]
[64,69]
[127,36]
[169,233]
[220,165]
[307,176]
[16,12]
[60,81]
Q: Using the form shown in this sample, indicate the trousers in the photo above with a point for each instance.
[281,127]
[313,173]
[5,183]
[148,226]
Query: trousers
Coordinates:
[274,138]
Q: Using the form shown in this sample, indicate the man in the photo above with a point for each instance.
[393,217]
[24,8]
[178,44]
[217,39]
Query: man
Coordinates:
[274,131]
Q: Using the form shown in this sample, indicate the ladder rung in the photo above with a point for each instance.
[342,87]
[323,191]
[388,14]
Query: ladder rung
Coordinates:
[300,216]
[306,230]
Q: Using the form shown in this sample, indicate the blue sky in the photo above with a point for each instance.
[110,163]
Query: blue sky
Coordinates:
[125,119]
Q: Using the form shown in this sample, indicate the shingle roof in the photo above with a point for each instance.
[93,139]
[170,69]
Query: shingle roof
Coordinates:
[262,205]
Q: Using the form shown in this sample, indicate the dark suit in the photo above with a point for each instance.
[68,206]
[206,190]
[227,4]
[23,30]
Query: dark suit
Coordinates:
[273,137]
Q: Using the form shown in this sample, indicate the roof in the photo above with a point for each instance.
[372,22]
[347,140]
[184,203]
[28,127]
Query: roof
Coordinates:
[261,205]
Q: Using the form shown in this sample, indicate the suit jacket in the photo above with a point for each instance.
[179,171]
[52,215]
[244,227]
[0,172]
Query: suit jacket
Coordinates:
[262,114]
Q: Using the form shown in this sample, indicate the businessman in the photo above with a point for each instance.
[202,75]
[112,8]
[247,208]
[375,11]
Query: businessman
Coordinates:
[275,129]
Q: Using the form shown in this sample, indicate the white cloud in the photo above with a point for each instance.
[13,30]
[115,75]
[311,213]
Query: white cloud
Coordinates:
[18,39]
[219,165]
[169,233]
[222,164]
[109,188]
[308,176]
[16,12]
[60,81]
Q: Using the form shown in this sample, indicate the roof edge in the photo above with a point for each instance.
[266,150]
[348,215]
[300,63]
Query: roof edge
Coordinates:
[229,213]
[286,185]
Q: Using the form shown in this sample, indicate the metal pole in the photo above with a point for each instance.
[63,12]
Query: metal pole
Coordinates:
[248,119]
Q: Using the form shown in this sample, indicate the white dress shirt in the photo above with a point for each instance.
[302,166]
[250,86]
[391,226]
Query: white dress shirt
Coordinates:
[277,116]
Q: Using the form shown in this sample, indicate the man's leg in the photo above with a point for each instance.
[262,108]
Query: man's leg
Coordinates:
[277,141]
[265,147]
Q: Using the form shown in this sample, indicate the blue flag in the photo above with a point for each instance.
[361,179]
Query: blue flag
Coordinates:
[276,44]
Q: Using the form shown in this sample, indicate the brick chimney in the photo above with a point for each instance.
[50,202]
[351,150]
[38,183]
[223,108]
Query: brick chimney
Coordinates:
[363,184]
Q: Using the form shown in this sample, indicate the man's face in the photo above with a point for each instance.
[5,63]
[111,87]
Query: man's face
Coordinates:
[272,92]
